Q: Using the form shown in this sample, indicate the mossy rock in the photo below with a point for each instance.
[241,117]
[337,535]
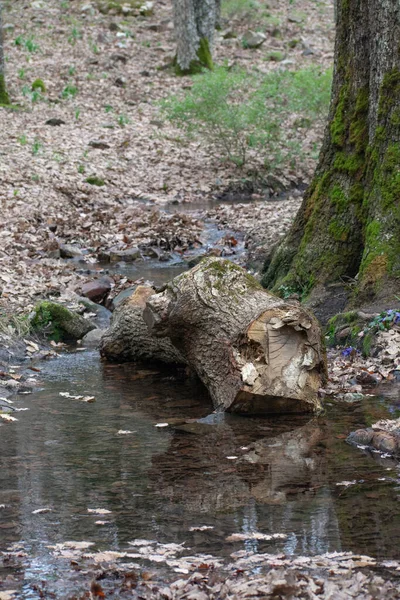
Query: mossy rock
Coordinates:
[343,329]
[59,322]
[94,180]
[39,84]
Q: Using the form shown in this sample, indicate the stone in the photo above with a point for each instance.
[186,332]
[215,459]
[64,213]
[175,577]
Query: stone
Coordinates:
[55,122]
[129,255]
[228,34]
[366,378]
[103,315]
[120,82]
[296,17]
[344,333]
[96,290]
[99,145]
[385,442]
[361,436]
[92,339]
[352,397]
[146,10]
[122,295]
[119,57]
[104,256]
[70,251]
[87,8]
[127,10]
[253,39]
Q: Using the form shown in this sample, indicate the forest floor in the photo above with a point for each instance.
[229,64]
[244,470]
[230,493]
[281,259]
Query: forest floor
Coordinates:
[105,75]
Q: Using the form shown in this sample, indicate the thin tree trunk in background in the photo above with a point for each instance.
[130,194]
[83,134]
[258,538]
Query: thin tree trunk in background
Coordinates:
[349,222]
[4,99]
[195,22]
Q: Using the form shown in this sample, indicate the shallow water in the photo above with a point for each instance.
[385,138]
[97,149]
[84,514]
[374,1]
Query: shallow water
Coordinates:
[67,455]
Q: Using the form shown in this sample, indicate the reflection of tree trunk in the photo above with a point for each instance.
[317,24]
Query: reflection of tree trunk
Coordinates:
[270,470]
[288,464]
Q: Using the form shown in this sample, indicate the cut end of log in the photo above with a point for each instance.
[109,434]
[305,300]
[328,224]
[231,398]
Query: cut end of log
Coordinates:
[281,363]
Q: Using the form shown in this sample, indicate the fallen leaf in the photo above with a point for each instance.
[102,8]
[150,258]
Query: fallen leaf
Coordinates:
[7,417]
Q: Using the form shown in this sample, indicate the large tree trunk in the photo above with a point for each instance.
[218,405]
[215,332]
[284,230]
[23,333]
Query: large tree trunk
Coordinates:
[4,99]
[349,222]
[195,22]
[254,352]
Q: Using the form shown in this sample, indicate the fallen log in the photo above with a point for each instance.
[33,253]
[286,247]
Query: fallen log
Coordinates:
[255,352]
[128,338]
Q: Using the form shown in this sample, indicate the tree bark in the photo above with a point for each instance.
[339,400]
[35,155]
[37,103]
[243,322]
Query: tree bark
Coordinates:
[349,223]
[254,352]
[195,22]
[128,338]
[4,98]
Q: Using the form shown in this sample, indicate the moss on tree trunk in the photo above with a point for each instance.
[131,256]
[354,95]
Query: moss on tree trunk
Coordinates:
[349,223]
[203,61]
[4,98]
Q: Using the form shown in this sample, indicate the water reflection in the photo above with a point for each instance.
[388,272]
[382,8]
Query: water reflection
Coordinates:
[158,483]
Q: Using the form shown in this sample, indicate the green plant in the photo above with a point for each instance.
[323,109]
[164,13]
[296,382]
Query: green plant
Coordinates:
[94,48]
[123,120]
[21,73]
[29,43]
[81,169]
[36,147]
[70,91]
[108,108]
[33,95]
[240,114]
[239,8]
[74,35]
[23,140]
[77,113]
[71,70]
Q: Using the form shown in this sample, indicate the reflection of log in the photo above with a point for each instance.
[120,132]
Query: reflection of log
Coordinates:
[195,475]
[253,351]
[128,337]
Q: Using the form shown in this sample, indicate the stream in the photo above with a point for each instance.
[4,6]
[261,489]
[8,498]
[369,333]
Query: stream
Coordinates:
[195,481]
